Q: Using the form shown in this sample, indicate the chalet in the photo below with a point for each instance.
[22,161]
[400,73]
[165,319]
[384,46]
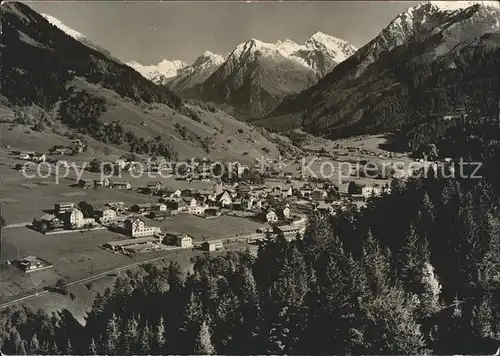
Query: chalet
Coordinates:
[102,182]
[106,215]
[270,216]
[358,198]
[190,202]
[60,151]
[184,241]
[159,207]
[162,215]
[283,213]
[121,185]
[218,189]
[120,163]
[170,193]
[154,187]
[85,183]
[38,157]
[118,206]
[77,146]
[172,237]
[224,199]
[325,208]
[176,204]
[212,245]
[187,193]
[61,208]
[288,230]
[212,212]
[371,191]
[201,199]
[141,208]
[24,156]
[318,194]
[48,222]
[135,227]
[306,190]
[197,209]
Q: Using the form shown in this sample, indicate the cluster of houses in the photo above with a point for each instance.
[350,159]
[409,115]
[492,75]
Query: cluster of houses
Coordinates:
[66,216]
[30,156]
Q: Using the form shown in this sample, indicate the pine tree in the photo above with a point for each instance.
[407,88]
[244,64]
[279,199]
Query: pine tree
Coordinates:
[34,345]
[69,347]
[174,277]
[203,342]
[431,291]
[130,336]
[55,349]
[112,335]
[159,340]
[21,348]
[413,256]
[145,341]
[391,325]
[92,347]
[376,264]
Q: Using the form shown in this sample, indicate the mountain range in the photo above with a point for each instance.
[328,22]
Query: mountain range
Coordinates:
[255,76]
[435,58]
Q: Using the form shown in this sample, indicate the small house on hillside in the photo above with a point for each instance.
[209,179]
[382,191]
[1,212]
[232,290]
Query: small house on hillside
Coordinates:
[212,245]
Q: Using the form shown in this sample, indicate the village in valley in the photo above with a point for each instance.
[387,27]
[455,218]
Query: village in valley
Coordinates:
[107,216]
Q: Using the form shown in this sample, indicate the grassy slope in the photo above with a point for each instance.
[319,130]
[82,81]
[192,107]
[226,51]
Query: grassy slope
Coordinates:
[161,120]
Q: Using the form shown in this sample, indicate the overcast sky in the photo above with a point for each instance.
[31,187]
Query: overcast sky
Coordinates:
[148,32]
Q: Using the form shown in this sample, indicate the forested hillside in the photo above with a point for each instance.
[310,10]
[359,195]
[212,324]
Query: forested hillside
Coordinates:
[431,73]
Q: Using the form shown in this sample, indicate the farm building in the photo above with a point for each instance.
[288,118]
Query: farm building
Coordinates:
[121,185]
[130,243]
[212,245]
[48,222]
[33,263]
[162,215]
[289,231]
[178,238]
[141,208]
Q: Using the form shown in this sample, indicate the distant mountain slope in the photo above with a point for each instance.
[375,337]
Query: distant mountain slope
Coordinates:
[202,68]
[75,34]
[161,72]
[257,75]
[434,58]
[94,95]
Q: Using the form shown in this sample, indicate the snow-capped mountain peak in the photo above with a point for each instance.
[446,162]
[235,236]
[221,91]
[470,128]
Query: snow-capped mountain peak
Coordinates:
[458,5]
[59,24]
[337,48]
[159,72]
[287,47]
[208,58]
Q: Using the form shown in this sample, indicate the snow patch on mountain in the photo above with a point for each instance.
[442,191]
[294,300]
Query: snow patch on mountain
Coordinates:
[59,24]
[458,5]
[158,72]
[319,45]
